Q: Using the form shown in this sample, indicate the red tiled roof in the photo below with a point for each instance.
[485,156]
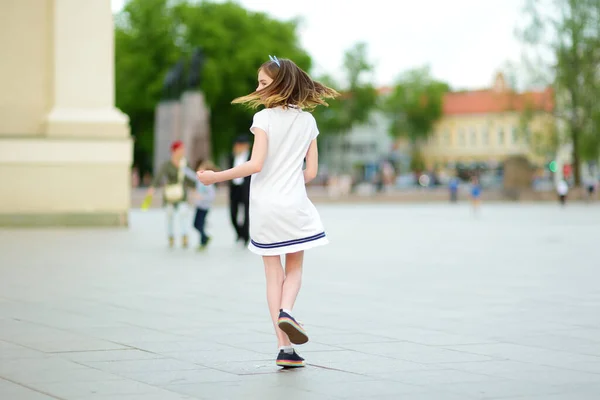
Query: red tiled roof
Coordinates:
[491,101]
[488,101]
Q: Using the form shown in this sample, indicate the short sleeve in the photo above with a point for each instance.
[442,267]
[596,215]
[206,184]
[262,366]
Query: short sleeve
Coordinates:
[261,121]
[314,132]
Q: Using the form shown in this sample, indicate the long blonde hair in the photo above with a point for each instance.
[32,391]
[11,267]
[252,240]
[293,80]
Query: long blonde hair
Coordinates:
[290,86]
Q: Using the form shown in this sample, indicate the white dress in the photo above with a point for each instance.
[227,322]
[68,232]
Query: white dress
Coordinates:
[282,217]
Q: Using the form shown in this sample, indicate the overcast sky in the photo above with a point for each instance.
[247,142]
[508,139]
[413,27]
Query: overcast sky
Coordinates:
[464,41]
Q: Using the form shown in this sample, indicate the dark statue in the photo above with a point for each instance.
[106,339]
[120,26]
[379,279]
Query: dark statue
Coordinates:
[196,66]
[174,83]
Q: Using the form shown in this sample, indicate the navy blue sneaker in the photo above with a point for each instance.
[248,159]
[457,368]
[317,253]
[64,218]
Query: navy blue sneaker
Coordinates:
[290,360]
[292,328]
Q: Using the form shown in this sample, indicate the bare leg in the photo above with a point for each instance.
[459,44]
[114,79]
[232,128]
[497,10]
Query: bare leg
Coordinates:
[293,279]
[274,275]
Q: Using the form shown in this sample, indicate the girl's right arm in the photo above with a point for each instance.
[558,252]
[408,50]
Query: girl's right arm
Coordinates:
[312,162]
[252,166]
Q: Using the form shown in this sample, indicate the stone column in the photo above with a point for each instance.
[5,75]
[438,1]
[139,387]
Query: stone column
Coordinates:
[74,166]
[83,79]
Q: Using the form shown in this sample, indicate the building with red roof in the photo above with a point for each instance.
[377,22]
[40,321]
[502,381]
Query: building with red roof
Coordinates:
[486,125]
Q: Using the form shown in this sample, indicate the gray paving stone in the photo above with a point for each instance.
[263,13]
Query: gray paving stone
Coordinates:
[77,390]
[244,390]
[561,396]
[498,389]
[434,305]
[437,338]
[530,354]
[543,374]
[148,365]
[130,334]
[10,351]
[157,395]
[350,338]
[362,389]
[77,345]
[205,357]
[182,345]
[10,390]
[417,352]
[165,378]
[561,342]
[31,378]
[584,388]
[593,366]
[109,355]
[373,367]
[44,363]
[433,376]
[313,377]
[427,395]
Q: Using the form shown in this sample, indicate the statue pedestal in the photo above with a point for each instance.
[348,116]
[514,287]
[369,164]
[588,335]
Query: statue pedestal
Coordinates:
[167,128]
[195,127]
[518,174]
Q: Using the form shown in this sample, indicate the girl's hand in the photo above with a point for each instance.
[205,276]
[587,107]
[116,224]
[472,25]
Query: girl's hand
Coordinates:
[207,177]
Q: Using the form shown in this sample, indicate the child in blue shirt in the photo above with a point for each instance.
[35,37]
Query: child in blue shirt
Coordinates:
[475,193]
[203,199]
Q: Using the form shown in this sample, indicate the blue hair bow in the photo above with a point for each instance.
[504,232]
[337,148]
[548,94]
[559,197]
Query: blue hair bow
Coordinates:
[275,60]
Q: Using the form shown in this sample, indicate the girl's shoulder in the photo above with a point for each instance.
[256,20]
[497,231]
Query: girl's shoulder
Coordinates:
[309,116]
[263,112]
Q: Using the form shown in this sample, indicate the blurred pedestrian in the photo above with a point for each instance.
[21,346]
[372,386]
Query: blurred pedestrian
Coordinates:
[203,198]
[475,194]
[239,191]
[174,192]
[562,188]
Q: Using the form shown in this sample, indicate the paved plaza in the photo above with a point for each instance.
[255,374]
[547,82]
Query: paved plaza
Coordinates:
[416,302]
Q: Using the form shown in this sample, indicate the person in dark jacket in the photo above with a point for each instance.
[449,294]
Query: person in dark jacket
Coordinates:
[239,190]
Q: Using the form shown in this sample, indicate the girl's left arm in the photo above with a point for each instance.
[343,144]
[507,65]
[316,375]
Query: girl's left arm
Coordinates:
[252,166]
[312,162]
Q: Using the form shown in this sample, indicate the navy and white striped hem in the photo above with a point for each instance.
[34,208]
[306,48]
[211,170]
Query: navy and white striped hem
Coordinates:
[288,242]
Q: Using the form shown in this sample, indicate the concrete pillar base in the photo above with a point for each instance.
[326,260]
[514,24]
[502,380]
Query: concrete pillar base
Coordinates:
[75,220]
[77,182]
[90,123]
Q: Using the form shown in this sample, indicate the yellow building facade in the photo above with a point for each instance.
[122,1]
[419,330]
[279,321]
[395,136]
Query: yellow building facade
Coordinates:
[486,126]
[65,150]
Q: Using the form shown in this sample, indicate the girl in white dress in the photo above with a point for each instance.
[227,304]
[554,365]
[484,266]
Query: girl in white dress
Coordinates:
[283,221]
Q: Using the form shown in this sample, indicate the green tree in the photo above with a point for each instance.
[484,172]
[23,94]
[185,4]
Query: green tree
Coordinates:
[358,98]
[543,137]
[145,49]
[566,35]
[415,105]
[151,35]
